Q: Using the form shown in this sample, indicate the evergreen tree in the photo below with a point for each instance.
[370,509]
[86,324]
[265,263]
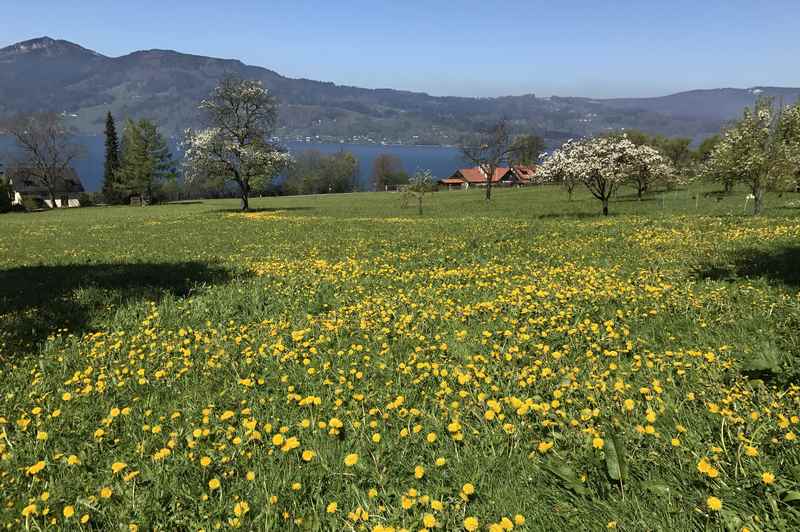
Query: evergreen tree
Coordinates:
[146,161]
[112,163]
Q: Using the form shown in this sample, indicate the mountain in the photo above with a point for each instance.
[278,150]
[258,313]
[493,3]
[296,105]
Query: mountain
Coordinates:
[164,85]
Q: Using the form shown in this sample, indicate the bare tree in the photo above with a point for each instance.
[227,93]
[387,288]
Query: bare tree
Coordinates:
[488,150]
[47,147]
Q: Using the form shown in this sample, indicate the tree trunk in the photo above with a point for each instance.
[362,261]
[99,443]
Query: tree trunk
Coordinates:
[53,199]
[419,202]
[244,204]
[488,190]
[605,206]
[569,193]
[758,202]
[639,192]
[728,186]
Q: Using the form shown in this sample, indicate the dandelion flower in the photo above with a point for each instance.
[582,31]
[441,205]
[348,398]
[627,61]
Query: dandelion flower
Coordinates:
[714,504]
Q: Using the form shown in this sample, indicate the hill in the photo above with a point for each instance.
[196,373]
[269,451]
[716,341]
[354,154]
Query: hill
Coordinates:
[165,85]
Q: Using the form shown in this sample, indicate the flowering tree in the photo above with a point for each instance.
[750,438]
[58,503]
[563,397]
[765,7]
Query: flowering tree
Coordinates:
[648,167]
[790,133]
[554,169]
[758,151]
[236,147]
[603,164]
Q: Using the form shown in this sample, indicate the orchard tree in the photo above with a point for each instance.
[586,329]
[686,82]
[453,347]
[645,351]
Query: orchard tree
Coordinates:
[420,184]
[48,149]
[757,151]
[555,169]
[488,150]
[236,146]
[647,167]
[790,133]
[603,164]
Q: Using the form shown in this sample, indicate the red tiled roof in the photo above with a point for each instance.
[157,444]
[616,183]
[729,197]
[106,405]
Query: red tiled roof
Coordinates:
[476,176]
[525,172]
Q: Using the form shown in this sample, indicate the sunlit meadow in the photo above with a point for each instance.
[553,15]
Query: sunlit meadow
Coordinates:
[342,363]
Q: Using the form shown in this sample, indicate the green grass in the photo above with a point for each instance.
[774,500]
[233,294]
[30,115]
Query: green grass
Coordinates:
[527,334]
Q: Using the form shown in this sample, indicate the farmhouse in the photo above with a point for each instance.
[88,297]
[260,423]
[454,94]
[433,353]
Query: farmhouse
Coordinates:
[515,176]
[27,189]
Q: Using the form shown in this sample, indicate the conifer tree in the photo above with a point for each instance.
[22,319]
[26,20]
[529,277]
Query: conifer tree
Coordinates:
[146,160]
[112,163]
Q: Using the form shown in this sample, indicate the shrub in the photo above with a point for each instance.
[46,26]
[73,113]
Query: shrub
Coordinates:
[5,197]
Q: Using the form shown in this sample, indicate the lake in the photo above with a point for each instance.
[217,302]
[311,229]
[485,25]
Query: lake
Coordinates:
[440,160]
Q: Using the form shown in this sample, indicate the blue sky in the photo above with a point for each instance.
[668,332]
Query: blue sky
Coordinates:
[470,48]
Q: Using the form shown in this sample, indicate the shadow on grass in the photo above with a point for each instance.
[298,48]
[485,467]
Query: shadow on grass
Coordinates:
[37,301]
[266,209]
[576,215]
[776,266]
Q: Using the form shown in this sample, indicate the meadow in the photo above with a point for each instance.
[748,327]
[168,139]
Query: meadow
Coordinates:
[342,363]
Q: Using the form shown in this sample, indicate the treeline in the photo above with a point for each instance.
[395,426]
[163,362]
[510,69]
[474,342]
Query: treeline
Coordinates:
[313,172]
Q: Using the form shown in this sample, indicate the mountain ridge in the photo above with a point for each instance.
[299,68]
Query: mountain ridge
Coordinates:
[166,85]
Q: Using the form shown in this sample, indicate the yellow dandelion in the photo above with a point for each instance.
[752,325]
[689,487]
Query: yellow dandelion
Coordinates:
[714,504]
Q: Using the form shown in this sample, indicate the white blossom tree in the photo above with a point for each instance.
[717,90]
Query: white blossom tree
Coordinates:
[554,169]
[757,150]
[236,147]
[648,167]
[790,133]
[603,164]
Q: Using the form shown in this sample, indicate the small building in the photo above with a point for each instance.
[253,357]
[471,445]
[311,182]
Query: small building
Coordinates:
[515,176]
[28,189]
